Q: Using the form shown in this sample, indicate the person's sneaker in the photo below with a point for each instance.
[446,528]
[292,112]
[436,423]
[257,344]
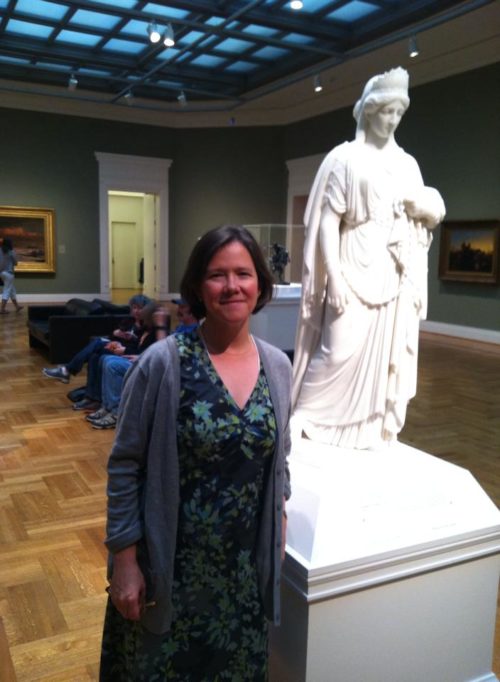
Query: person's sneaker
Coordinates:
[102,412]
[107,422]
[60,373]
[86,404]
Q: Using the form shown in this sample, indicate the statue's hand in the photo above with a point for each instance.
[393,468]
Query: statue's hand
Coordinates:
[338,295]
[427,206]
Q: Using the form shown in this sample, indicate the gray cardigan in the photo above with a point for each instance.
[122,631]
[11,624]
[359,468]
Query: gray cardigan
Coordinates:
[143,483]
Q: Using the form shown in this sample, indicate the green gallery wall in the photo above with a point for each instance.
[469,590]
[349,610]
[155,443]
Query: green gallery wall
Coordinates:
[239,175]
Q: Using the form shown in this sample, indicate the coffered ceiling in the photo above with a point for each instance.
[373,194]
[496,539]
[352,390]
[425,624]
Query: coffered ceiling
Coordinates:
[229,58]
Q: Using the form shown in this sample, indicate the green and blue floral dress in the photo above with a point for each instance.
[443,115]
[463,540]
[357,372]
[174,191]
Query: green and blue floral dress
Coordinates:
[219,630]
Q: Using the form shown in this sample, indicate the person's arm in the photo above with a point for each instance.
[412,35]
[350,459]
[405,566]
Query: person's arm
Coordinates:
[126,473]
[127,586]
[329,239]
[160,320]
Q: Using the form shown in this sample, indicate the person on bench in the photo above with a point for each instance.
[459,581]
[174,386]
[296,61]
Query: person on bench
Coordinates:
[129,336]
[97,387]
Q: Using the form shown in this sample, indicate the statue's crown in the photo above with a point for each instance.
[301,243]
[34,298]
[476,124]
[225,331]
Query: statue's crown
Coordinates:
[393,80]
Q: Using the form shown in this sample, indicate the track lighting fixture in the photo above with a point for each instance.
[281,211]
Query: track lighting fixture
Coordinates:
[296,4]
[129,97]
[153,32]
[169,39]
[413,47]
[72,82]
[317,83]
[182,99]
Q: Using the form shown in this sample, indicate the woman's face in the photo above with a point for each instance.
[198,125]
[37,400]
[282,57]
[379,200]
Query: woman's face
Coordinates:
[230,287]
[384,121]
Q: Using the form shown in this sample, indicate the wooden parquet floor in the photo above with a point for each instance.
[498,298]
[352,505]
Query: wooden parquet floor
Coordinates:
[52,494]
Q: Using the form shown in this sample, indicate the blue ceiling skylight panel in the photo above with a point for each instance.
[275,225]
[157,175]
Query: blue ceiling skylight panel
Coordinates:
[214,21]
[208,60]
[126,46]
[76,38]
[271,52]
[118,4]
[28,29]
[233,45]
[136,27]
[191,37]
[352,11]
[260,31]
[241,67]
[315,5]
[298,39]
[169,53]
[94,19]
[41,8]
[162,11]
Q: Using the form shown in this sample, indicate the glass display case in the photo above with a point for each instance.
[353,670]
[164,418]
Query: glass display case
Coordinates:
[283,246]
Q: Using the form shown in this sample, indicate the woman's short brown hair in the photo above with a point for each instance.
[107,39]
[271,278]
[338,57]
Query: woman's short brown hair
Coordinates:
[203,252]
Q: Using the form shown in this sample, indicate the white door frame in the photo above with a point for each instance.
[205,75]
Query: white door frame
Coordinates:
[134,174]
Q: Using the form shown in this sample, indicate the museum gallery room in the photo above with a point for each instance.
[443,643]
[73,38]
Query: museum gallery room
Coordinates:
[128,130]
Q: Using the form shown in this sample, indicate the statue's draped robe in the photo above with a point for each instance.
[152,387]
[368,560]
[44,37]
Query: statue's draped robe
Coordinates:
[355,372]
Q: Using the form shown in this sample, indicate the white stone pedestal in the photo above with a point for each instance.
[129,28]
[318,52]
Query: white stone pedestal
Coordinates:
[277,321]
[393,561]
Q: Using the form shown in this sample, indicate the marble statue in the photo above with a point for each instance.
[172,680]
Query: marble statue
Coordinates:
[364,288]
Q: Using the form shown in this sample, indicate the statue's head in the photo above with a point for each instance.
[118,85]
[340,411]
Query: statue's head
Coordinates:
[381,90]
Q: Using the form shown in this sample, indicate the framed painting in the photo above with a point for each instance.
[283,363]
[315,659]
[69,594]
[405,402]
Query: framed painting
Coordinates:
[469,251]
[32,233]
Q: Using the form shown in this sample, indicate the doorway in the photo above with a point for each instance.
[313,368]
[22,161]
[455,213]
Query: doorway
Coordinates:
[133,239]
[120,173]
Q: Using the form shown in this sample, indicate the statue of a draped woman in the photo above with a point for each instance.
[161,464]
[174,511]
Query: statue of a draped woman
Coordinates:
[364,285]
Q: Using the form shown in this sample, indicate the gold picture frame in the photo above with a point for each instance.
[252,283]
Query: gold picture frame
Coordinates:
[32,233]
[469,251]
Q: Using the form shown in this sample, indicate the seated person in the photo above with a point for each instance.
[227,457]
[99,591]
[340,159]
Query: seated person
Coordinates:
[104,390]
[186,320]
[100,345]
[113,369]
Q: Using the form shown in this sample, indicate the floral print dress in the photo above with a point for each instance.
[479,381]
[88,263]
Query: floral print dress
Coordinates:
[219,629]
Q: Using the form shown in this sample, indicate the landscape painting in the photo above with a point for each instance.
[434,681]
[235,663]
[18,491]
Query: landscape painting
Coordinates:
[31,231]
[469,251]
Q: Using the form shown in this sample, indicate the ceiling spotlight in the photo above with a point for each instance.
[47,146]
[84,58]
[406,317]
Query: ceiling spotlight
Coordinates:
[72,82]
[413,47]
[296,4]
[182,99]
[129,97]
[153,32]
[169,39]
[317,84]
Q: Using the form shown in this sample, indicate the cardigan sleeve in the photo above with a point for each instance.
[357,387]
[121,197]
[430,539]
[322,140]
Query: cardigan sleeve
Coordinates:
[127,464]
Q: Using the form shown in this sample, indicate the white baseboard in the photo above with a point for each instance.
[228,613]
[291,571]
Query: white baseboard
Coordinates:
[472,333]
[58,298]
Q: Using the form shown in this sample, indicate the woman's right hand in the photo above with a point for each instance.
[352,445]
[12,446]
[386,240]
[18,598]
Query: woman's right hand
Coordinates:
[127,588]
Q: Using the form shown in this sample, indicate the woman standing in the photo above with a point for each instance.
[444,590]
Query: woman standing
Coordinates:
[364,285]
[7,264]
[197,484]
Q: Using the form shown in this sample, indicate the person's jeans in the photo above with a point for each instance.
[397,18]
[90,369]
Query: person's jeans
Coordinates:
[76,363]
[94,375]
[113,370]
